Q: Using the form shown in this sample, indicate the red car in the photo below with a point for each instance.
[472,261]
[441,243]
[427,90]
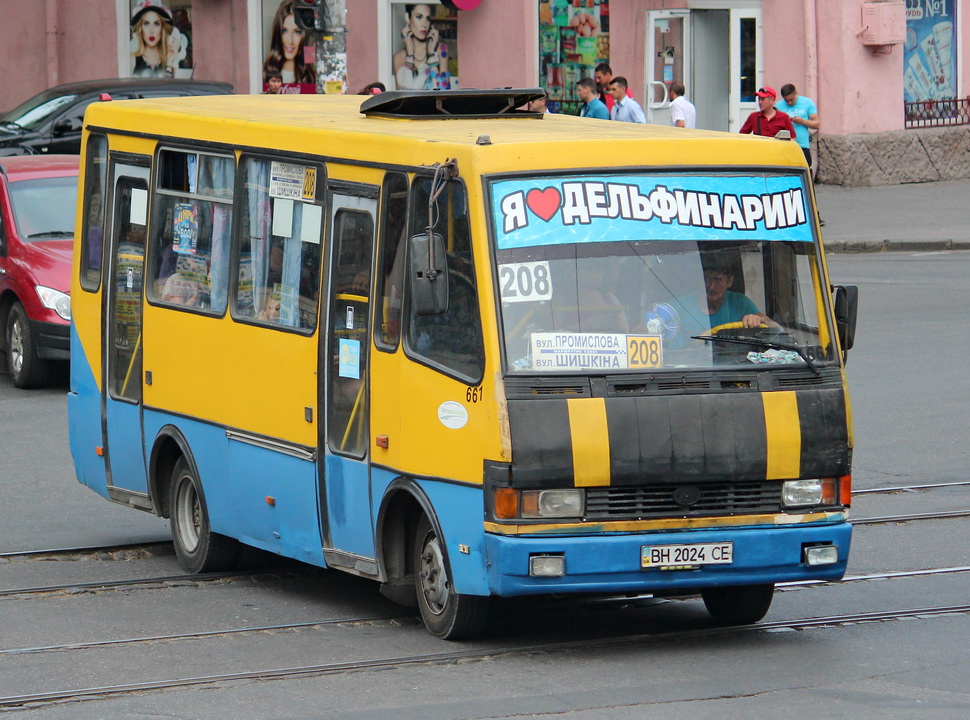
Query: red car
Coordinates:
[38,199]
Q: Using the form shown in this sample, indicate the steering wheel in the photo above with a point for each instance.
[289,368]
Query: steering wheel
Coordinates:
[730,326]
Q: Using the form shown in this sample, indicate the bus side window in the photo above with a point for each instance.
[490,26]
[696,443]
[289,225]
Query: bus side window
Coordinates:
[390,279]
[92,231]
[191,230]
[277,278]
[452,340]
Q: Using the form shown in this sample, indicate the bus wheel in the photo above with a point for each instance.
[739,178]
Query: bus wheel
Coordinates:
[197,547]
[26,369]
[446,614]
[740,605]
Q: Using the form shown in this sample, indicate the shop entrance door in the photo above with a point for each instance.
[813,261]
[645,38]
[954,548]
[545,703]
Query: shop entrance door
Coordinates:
[668,59]
[714,47]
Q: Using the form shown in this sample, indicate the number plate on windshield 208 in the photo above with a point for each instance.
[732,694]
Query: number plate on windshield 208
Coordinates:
[686,556]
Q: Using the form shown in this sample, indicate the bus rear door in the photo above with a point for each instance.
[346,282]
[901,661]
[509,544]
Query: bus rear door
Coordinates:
[348,537]
[122,398]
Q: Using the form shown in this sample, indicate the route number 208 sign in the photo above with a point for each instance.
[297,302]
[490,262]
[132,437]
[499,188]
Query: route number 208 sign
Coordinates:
[525,282]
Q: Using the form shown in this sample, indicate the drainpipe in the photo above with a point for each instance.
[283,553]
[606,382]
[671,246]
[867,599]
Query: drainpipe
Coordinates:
[52,44]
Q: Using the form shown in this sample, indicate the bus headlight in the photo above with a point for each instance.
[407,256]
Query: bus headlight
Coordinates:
[552,503]
[55,300]
[511,504]
[803,493]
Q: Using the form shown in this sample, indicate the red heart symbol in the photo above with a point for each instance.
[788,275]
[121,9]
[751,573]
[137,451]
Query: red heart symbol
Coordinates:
[544,203]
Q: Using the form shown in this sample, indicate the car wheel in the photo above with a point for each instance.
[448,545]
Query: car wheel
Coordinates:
[198,548]
[26,369]
[740,605]
[446,614]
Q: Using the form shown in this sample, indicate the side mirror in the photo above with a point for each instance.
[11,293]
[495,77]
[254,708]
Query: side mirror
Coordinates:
[846,312]
[65,126]
[429,274]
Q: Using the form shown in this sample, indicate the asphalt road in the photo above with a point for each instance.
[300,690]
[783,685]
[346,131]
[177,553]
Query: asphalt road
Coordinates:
[348,653]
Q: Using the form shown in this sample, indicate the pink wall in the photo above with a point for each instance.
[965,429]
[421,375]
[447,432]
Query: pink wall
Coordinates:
[362,60]
[861,92]
[498,44]
[48,42]
[220,31]
[786,57]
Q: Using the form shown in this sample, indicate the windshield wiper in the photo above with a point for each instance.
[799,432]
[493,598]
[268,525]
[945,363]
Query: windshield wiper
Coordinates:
[52,234]
[762,342]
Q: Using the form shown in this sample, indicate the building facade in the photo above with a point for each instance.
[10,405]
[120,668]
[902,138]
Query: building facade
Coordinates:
[890,78]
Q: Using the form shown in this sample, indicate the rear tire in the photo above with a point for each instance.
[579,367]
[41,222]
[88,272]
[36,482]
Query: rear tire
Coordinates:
[741,605]
[26,369]
[197,547]
[445,613]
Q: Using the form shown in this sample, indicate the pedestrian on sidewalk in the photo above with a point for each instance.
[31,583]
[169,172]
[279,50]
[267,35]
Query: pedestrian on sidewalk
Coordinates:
[767,120]
[682,111]
[625,108]
[804,117]
[592,107]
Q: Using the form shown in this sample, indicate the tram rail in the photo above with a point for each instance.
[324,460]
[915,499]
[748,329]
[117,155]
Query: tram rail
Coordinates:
[386,663]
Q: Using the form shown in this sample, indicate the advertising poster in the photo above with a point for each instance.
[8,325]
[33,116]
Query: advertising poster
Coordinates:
[161,38]
[424,47]
[929,56]
[289,52]
[574,37]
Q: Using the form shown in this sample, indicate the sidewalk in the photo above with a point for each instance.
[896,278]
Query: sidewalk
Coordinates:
[917,216]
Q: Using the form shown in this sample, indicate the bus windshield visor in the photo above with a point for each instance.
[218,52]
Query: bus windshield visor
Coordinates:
[645,273]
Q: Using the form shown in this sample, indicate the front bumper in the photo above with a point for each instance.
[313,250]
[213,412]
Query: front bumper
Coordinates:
[51,340]
[611,562]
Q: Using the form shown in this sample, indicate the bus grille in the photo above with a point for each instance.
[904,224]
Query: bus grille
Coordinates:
[619,503]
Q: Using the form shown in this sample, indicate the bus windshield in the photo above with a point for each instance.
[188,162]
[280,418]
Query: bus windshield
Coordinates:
[658,272]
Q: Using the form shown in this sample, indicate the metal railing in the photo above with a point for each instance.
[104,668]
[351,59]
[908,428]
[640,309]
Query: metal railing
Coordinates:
[938,113]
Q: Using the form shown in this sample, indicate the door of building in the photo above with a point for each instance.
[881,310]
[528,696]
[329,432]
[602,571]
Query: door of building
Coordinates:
[668,59]
[714,47]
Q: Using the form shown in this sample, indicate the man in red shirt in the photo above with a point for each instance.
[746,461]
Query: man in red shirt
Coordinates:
[768,121]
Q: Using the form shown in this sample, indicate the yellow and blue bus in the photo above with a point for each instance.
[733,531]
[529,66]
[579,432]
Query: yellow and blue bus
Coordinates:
[462,349]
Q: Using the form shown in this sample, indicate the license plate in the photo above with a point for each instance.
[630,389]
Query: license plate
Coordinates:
[683,556]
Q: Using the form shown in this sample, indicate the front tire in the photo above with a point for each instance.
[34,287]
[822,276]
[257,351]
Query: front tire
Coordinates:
[198,548]
[26,368]
[741,605]
[446,614]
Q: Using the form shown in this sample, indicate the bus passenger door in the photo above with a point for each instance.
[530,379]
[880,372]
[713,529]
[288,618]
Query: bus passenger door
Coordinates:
[345,477]
[122,386]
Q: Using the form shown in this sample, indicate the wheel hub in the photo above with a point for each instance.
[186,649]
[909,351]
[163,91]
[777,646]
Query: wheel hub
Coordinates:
[16,347]
[434,579]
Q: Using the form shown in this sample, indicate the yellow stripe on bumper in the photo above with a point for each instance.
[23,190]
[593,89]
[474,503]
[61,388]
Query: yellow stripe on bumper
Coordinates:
[590,441]
[784,435]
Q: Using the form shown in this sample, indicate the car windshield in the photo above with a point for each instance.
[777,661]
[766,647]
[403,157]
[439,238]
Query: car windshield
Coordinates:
[44,209]
[662,272]
[33,113]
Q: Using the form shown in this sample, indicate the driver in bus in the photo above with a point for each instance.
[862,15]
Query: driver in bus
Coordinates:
[718,305]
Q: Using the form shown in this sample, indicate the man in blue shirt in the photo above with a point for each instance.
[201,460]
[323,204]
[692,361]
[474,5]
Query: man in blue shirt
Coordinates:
[625,108]
[593,107]
[804,116]
[718,305]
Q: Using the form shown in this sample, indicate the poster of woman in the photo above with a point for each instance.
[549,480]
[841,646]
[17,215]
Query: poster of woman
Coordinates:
[160,39]
[424,46]
[289,49]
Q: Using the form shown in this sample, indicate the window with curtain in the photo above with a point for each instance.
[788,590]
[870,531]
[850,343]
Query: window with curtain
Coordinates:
[191,230]
[277,276]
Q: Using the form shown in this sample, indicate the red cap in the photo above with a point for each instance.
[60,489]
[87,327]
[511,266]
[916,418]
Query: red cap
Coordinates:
[767,92]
